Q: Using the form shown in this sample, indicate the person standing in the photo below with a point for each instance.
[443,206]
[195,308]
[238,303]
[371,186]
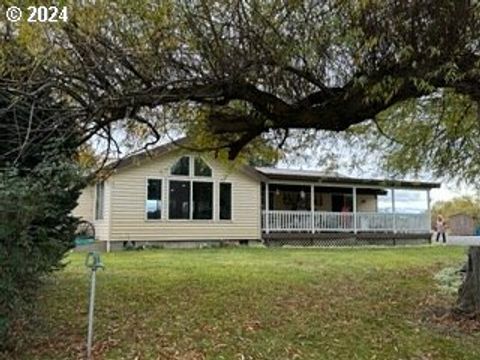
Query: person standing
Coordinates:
[441,229]
[345,222]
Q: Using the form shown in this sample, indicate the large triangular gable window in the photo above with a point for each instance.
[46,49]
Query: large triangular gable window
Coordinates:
[181,167]
[201,168]
[190,199]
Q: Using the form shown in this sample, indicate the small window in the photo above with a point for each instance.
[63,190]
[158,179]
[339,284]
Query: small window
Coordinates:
[225,201]
[153,205]
[99,200]
[181,167]
[179,200]
[202,200]
[201,168]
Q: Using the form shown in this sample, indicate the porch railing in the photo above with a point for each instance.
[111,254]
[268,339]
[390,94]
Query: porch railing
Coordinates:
[302,221]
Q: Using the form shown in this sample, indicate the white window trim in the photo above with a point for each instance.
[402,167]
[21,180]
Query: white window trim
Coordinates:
[162,210]
[191,181]
[191,168]
[96,219]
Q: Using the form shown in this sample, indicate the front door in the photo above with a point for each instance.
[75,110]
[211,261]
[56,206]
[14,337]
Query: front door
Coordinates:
[340,202]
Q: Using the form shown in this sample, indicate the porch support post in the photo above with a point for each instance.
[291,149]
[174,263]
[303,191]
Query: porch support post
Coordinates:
[312,207]
[354,198]
[267,208]
[393,212]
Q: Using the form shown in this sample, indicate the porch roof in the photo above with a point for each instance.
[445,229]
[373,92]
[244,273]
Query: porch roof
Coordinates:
[312,176]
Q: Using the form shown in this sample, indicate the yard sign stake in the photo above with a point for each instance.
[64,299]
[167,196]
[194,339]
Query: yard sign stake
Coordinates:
[93,262]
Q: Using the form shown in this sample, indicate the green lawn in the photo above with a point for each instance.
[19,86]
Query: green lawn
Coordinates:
[254,304]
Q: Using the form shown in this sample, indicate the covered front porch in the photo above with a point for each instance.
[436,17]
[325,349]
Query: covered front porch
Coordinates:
[290,207]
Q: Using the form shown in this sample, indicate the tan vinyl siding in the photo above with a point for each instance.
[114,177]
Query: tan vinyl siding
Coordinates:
[366,203]
[129,222]
[84,209]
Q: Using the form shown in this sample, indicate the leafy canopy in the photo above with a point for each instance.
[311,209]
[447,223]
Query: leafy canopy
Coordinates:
[227,72]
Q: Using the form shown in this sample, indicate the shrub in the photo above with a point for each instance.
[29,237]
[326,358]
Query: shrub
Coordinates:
[449,279]
[36,230]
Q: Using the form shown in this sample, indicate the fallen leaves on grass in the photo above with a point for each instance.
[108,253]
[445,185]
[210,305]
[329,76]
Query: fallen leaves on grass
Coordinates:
[252,325]
[282,304]
[452,322]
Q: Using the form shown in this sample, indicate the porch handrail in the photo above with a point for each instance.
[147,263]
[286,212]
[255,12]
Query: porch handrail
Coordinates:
[301,221]
[280,220]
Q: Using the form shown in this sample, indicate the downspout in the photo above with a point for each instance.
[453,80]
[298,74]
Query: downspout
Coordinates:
[110,207]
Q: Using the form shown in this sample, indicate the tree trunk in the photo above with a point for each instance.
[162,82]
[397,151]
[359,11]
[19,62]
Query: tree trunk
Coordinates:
[469,293]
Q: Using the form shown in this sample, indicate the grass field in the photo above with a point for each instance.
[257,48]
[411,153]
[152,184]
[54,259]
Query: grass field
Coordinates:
[254,304]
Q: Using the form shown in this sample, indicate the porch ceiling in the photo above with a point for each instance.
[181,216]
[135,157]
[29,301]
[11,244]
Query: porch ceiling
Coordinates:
[325,189]
[317,177]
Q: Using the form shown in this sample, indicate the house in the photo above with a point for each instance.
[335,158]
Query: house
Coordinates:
[461,224]
[171,196]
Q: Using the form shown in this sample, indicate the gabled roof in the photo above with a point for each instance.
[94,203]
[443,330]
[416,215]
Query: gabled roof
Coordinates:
[269,173]
[336,178]
[145,154]
[166,148]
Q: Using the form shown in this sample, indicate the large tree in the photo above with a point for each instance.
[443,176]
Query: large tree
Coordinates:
[40,181]
[403,73]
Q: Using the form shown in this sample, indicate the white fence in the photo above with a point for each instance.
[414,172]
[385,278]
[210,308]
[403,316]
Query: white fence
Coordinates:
[301,221]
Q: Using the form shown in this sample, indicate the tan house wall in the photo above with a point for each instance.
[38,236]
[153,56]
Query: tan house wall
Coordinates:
[366,203]
[125,197]
[85,210]
[129,223]
[323,202]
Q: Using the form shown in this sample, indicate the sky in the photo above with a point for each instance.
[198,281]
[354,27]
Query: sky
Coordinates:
[449,191]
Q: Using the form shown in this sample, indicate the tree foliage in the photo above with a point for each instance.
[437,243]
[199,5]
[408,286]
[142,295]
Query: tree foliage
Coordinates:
[240,69]
[467,205]
[40,182]
[438,135]
[36,230]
